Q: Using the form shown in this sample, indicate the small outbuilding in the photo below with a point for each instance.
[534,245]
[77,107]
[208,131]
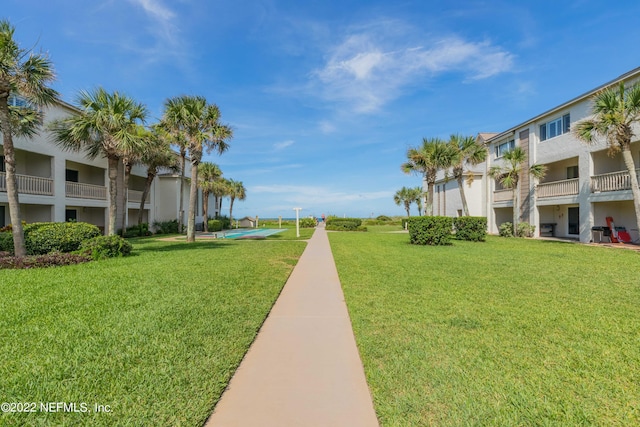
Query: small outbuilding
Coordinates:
[247,222]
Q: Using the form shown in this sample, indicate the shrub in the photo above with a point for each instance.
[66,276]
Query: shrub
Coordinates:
[214,225]
[343,224]
[166,227]
[45,237]
[506,229]
[102,247]
[525,229]
[52,259]
[137,231]
[6,242]
[471,228]
[226,222]
[307,222]
[430,230]
[384,218]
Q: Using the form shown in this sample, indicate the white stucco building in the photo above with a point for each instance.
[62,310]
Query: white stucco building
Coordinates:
[58,185]
[583,185]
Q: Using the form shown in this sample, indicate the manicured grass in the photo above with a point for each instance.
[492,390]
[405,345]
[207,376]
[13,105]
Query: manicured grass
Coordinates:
[156,336]
[289,233]
[506,332]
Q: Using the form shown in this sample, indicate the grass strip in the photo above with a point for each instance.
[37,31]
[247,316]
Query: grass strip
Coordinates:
[506,332]
[155,336]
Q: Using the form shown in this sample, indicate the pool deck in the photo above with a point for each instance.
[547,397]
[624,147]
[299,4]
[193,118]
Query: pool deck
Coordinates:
[304,368]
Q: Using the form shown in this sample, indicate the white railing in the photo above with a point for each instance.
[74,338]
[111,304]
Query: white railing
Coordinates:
[567,187]
[503,195]
[135,196]
[613,181]
[28,184]
[86,191]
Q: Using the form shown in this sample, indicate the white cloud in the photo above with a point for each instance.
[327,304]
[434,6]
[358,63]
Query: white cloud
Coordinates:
[327,127]
[282,145]
[373,65]
[164,30]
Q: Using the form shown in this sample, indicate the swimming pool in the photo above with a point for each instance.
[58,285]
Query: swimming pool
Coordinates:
[243,232]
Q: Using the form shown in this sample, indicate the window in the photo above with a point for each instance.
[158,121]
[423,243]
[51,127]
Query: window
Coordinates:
[17,101]
[71,175]
[3,168]
[504,147]
[572,172]
[555,127]
[71,215]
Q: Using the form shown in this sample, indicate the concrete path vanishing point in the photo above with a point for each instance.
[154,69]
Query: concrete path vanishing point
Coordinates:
[303,369]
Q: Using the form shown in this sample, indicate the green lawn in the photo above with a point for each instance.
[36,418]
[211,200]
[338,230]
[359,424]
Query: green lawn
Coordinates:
[156,336]
[502,333]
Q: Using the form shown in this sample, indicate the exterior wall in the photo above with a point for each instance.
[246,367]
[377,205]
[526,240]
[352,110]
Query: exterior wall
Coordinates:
[551,200]
[39,157]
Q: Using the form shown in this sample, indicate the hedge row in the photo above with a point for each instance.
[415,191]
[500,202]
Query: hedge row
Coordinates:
[45,237]
[345,224]
[430,230]
[471,228]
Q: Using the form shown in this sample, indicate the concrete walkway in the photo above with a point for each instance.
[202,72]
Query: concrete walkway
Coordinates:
[303,369]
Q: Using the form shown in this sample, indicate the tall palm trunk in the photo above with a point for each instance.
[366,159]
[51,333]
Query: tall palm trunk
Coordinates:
[231,211]
[193,195]
[463,197]
[216,212]
[205,209]
[113,192]
[147,187]
[220,207]
[516,208]
[183,155]
[633,178]
[19,247]
[125,197]
[429,202]
[407,207]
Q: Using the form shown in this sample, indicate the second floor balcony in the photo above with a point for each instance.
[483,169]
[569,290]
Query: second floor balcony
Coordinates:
[28,184]
[565,187]
[614,181]
[135,196]
[85,191]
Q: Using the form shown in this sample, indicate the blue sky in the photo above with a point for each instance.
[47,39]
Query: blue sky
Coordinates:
[325,97]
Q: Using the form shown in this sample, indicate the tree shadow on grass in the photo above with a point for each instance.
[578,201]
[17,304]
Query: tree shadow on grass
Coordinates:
[183,246]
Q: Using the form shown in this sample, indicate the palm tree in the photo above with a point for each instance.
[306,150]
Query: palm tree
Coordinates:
[465,150]
[509,176]
[220,190]
[427,160]
[24,74]
[158,156]
[208,173]
[199,123]
[107,126]
[614,114]
[418,196]
[404,197]
[237,192]
[131,156]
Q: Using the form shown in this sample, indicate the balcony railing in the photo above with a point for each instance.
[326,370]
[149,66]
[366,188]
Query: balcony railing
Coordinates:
[86,191]
[614,181]
[28,184]
[503,195]
[135,196]
[567,187]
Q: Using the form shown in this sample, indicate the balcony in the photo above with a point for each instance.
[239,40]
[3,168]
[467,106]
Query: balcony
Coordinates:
[502,196]
[28,184]
[86,191]
[614,181]
[135,196]
[566,187]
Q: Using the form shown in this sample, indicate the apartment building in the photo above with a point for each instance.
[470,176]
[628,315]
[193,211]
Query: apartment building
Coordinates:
[58,185]
[582,186]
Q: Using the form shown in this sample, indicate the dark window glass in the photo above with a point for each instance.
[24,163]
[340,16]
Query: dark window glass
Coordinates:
[70,215]
[543,132]
[565,123]
[71,175]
